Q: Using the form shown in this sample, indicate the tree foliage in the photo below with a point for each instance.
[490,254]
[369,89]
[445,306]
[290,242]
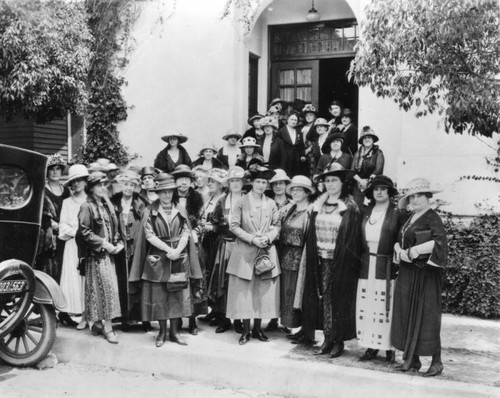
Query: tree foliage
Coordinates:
[44,59]
[438,55]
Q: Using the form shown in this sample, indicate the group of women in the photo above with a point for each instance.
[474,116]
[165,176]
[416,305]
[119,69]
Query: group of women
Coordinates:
[313,248]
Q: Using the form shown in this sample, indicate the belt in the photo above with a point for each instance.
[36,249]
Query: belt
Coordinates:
[169,240]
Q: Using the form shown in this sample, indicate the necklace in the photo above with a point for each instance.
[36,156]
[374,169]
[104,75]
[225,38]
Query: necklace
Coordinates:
[373,221]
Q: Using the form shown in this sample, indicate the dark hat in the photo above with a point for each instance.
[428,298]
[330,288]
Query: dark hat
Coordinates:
[256,169]
[336,169]
[231,133]
[309,108]
[336,103]
[149,171]
[331,137]
[95,178]
[380,181]
[181,137]
[347,112]
[253,117]
[164,181]
[183,170]
[367,132]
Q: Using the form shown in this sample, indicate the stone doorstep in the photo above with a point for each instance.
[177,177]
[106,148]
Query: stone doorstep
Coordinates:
[269,367]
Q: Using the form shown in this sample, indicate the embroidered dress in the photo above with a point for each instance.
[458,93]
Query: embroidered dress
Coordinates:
[373,321]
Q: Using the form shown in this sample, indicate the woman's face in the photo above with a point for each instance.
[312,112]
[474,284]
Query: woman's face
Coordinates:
[100,190]
[165,196]
[368,142]
[268,130]
[173,141]
[321,130]
[419,202]
[232,141]
[335,110]
[335,145]
[346,120]
[214,186]
[128,188]
[292,120]
[249,150]
[208,154]
[259,185]
[148,181]
[381,194]
[333,185]
[78,185]
[235,185]
[201,179]
[310,117]
[278,187]
[183,184]
[256,123]
[54,173]
[299,195]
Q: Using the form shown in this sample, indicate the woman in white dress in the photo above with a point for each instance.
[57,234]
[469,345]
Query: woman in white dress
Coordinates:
[72,282]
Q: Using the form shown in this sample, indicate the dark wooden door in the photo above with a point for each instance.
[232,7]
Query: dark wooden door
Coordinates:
[295,80]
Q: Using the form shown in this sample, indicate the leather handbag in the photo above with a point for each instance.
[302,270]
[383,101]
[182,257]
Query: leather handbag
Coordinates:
[262,263]
[177,281]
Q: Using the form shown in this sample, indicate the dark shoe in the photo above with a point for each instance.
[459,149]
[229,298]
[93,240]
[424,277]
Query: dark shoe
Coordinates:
[303,341]
[97,329]
[224,326]
[238,326]
[337,350]
[325,348]
[296,336]
[146,326]
[390,356]
[160,339]
[208,317]
[125,326]
[434,370]
[259,334]
[245,338]
[369,354]
[65,319]
[214,322]
[272,325]
[193,327]
[415,364]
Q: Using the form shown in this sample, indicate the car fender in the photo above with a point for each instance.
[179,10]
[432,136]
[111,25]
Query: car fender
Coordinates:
[47,291]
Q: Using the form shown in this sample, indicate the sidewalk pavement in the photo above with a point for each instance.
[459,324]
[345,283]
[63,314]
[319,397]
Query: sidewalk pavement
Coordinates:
[471,357]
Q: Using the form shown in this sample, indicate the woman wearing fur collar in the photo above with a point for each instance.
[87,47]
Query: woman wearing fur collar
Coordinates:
[326,287]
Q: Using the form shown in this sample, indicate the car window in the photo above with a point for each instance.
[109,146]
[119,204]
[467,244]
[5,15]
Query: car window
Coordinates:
[15,187]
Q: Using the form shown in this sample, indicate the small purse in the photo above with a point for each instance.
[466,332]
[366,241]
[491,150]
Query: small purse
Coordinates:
[262,263]
[177,281]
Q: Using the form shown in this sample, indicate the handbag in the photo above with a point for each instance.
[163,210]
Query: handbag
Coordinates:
[262,263]
[177,281]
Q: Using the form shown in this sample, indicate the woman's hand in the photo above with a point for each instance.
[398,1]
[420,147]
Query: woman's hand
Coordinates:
[403,255]
[110,248]
[174,254]
[118,248]
[260,241]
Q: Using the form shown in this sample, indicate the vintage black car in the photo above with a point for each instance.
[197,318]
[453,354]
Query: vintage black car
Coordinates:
[28,298]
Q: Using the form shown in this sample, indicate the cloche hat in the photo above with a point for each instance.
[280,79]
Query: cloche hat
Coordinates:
[253,117]
[380,181]
[280,175]
[321,122]
[231,133]
[249,142]
[183,170]
[181,137]
[205,146]
[95,178]
[367,131]
[336,169]
[235,172]
[149,171]
[302,182]
[76,171]
[129,176]
[331,137]
[417,185]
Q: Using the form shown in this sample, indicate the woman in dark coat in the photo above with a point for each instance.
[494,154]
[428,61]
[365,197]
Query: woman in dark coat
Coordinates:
[348,129]
[207,158]
[256,130]
[332,152]
[229,153]
[249,151]
[422,250]
[174,154]
[374,302]
[293,156]
[368,162]
[326,286]
[164,251]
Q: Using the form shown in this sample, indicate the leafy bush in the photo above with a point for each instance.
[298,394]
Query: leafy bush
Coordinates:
[472,284]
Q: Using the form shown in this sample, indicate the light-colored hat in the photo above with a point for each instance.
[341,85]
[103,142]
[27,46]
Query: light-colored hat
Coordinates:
[164,181]
[231,133]
[336,169]
[249,142]
[111,167]
[235,172]
[76,171]
[417,185]
[273,109]
[100,164]
[200,168]
[309,108]
[95,178]
[302,182]
[269,121]
[367,132]
[253,117]
[204,147]
[56,160]
[129,176]
[280,175]
[277,101]
[321,122]
[183,170]
[181,137]
[218,175]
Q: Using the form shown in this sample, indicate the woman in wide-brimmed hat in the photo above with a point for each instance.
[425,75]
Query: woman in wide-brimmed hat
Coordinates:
[326,287]
[229,153]
[50,250]
[422,252]
[207,158]
[249,151]
[379,232]
[293,159]
[271,146]
[368,162]
[99,240]
[255,222]
[173,154]
[332,152]
[72,279]
[255,130]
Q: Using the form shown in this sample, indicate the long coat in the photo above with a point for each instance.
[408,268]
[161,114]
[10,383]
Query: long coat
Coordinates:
[165,163]
[293,154]
[245,225]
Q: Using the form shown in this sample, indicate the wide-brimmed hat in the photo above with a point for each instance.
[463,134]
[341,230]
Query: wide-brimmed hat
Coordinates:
[277,101]
[183,170]
[269,121]
[111,167]
[380,181]
[280,175]
[231,133]
[56,160]
[417,185]
[100,164]
[256,169]
[129,176]
[253,117]
[272,109]
[336,169]
[218,175]
[367,131]
[321,122]
[233,173]
[181,137]
[347,112]
[149,171]
[302,182]
[206,146]
[164,181]
[76,171]
[326,148]
[95,178]
[249,142]
[309,108]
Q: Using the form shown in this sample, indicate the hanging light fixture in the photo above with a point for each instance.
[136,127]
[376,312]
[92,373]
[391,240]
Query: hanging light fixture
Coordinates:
[313,14]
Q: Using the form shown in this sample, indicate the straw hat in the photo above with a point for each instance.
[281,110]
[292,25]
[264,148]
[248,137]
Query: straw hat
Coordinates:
[253,117]
[280,175]
[76,171]
[164,181]
[301,182]
[95,178]
[235,172]
[321,122]
[129,176]
[380,181]
[56,160]
[182,138]
[100,164]
[249,142]
[231,133]
[218,175]
[417,185]
[367,132]
[204,147]
[183,170]
[336,169]
[277,101]
[269,121]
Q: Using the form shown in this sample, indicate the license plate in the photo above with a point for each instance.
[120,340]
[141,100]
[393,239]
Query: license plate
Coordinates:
[13,286]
